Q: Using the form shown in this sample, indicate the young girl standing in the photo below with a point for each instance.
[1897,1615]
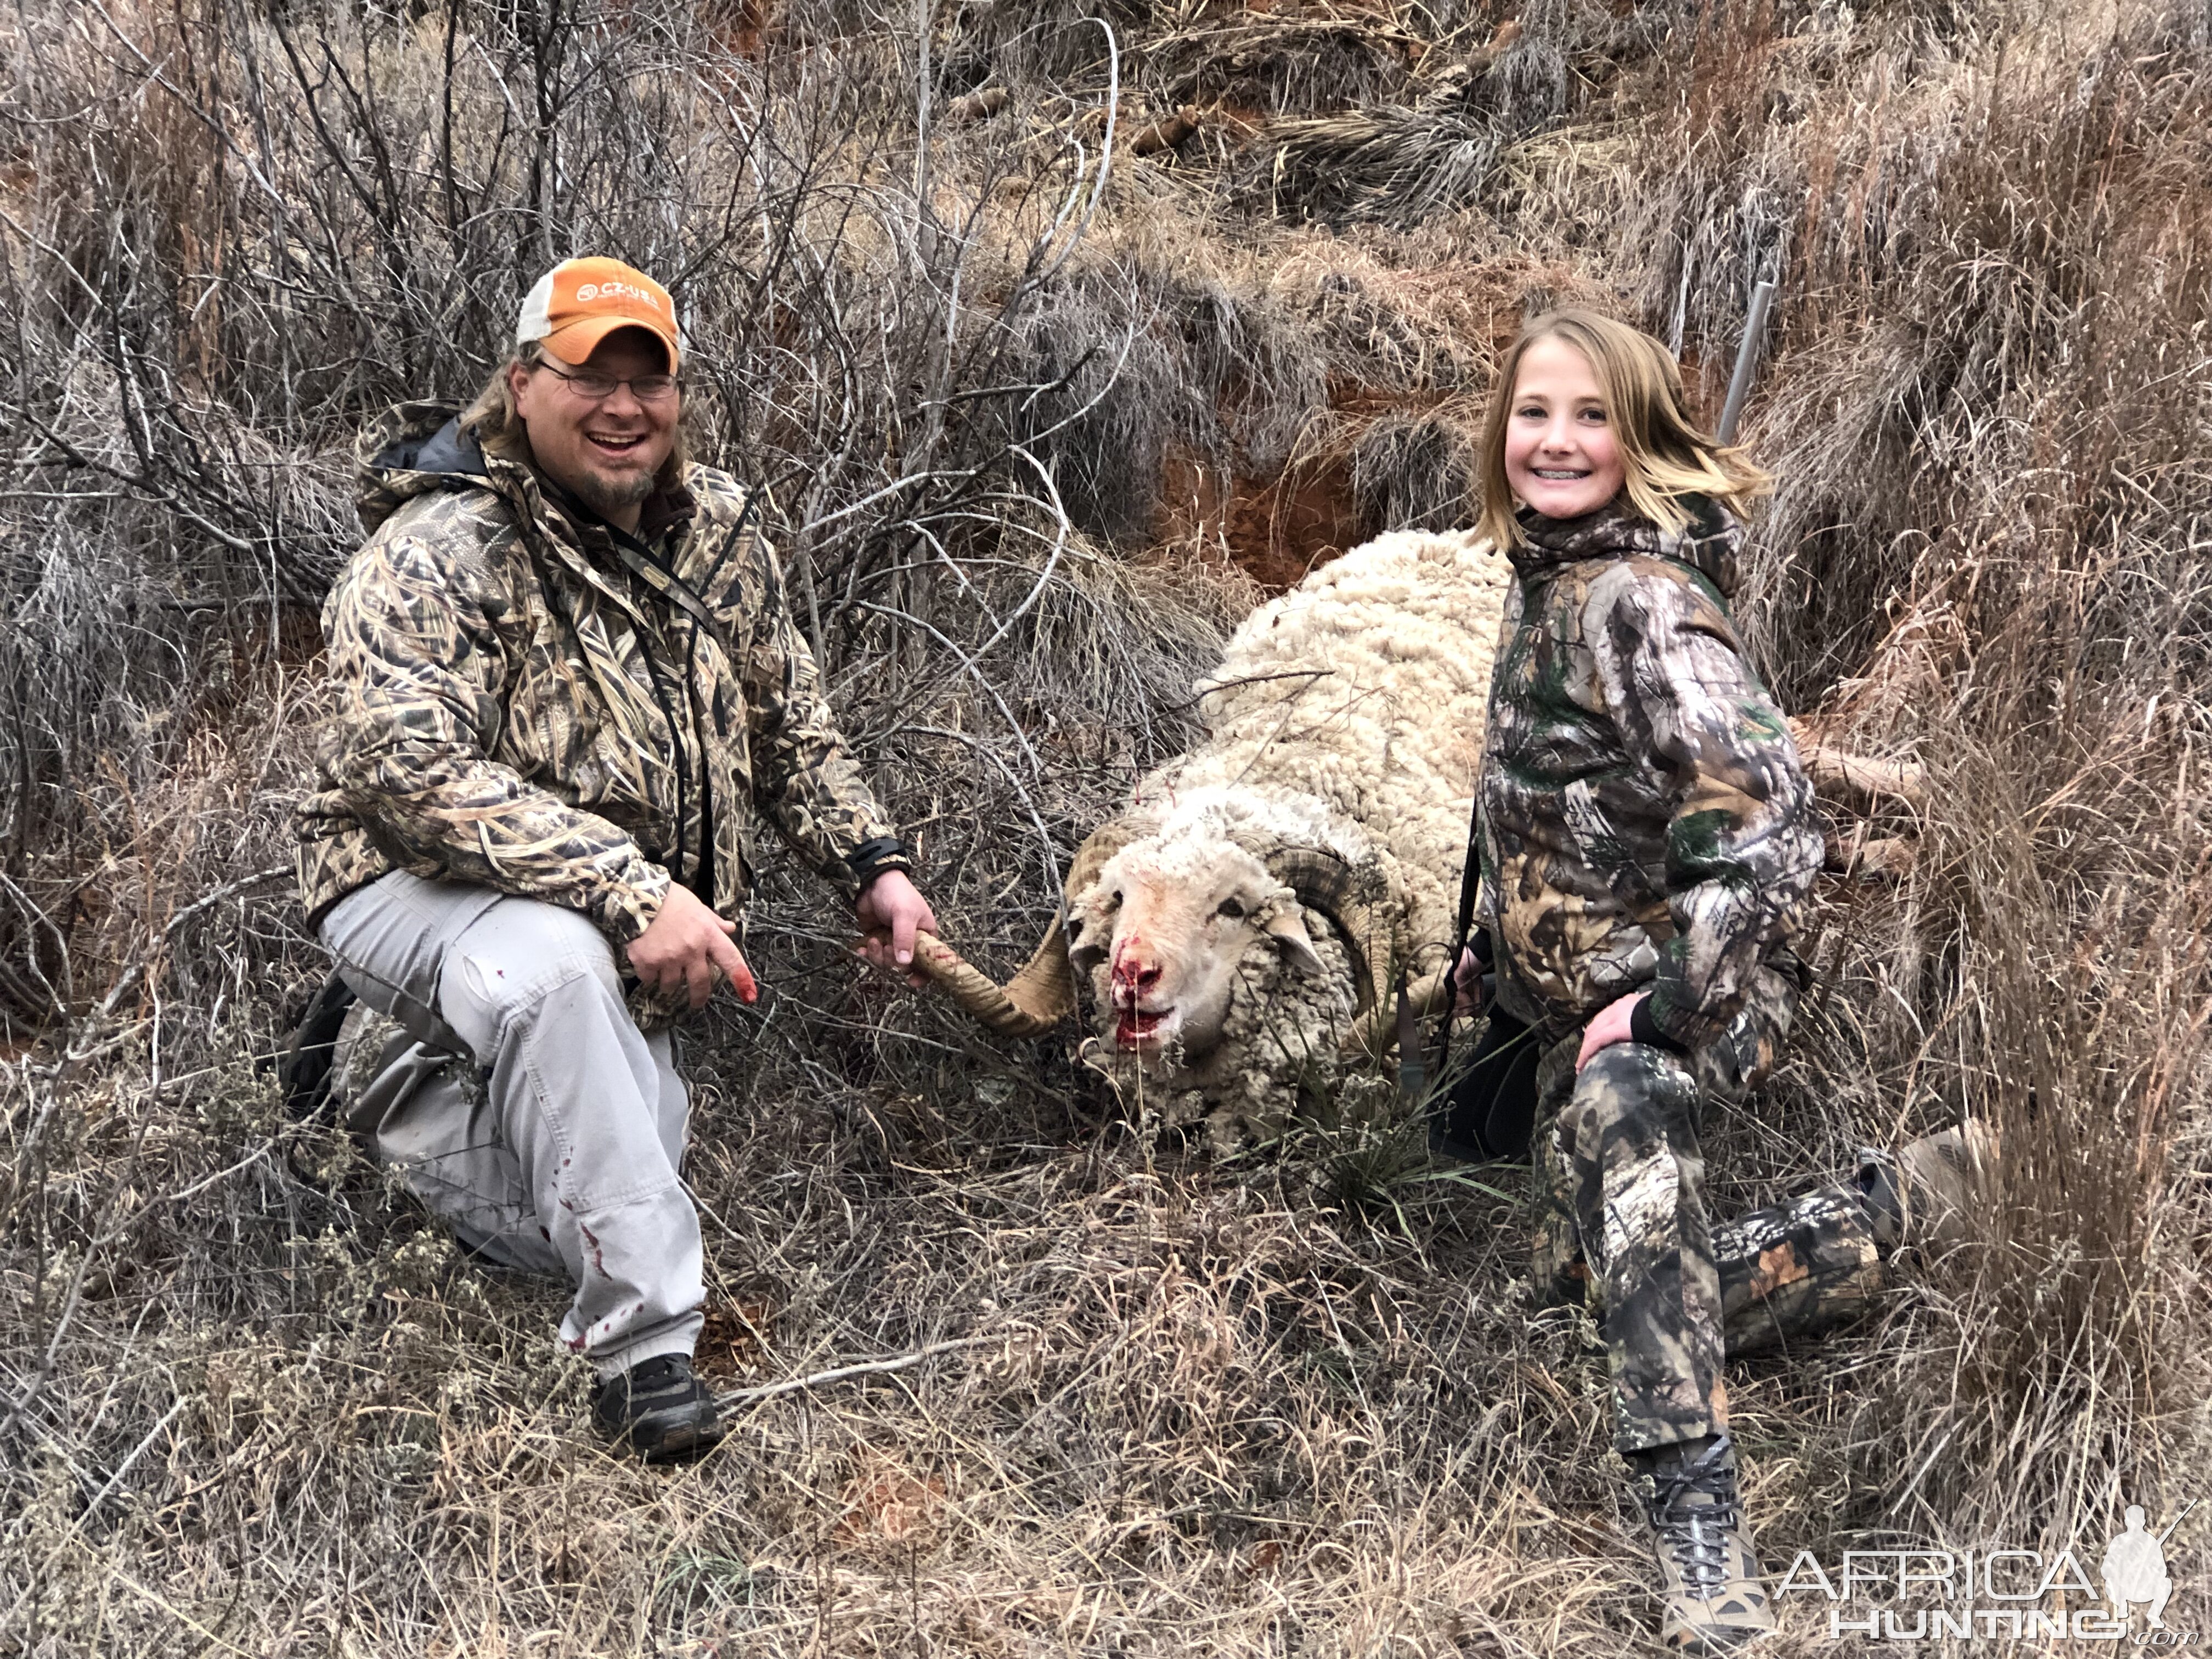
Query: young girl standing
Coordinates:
[1646,838]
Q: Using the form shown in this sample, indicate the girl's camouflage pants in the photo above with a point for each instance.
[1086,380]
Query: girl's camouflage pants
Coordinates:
[1622,1223]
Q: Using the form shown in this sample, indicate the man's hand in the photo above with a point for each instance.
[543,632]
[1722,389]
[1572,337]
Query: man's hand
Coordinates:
[684,946]
[890,913]
[1611,1026]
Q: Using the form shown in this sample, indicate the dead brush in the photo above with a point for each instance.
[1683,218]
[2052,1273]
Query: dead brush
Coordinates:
[2006,469]
[1431,150]
[245,1412]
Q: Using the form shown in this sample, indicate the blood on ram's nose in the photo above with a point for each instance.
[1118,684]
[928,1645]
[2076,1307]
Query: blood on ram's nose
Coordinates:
[1135,981]
[1134,978]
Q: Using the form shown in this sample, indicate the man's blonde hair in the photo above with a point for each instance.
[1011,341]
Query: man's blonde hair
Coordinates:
[1664,455]
[492,416]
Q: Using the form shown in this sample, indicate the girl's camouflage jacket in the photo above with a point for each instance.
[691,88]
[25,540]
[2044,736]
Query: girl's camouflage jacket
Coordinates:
[1645,820]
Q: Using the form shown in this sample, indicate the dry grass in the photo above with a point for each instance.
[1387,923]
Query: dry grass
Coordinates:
[1299,1405]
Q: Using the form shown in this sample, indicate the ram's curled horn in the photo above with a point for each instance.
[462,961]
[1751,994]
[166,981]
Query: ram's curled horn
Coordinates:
[1029,1004]
[1375,1033]
[1043,993]
[1325,883]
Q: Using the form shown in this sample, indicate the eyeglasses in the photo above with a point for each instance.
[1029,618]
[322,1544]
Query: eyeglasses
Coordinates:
[597,388]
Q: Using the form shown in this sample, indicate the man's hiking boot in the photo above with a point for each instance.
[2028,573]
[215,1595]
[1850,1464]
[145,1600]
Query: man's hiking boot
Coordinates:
[659,1409]
[1716,1600]
[1926,1196]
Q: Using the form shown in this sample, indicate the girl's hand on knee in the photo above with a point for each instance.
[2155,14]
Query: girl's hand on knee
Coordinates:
[1611,1026]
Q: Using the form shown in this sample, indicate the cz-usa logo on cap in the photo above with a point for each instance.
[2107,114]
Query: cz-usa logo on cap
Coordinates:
[591,291]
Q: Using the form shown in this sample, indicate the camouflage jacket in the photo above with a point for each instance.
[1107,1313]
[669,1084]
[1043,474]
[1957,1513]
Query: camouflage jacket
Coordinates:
[517,707]
[1645,820]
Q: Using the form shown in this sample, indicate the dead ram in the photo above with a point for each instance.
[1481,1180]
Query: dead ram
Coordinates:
[1261,893]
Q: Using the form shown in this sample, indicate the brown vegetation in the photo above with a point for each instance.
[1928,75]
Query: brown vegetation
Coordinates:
[1033,428]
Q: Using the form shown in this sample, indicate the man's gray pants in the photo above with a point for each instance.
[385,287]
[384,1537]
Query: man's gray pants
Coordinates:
[528,1110]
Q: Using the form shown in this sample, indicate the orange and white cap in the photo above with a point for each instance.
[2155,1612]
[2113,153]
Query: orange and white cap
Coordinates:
[580,302]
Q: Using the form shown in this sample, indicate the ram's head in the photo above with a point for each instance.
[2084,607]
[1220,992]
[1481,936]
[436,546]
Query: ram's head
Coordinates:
[1159,915]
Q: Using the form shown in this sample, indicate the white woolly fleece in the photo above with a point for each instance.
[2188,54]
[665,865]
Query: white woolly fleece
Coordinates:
[1365,687]
[1346,715]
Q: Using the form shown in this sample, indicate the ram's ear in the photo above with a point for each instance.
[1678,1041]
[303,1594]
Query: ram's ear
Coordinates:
[1287,927]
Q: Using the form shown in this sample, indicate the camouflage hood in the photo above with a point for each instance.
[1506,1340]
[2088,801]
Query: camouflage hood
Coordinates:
[419,449]
[410,450]
[1711,544]
[520,706]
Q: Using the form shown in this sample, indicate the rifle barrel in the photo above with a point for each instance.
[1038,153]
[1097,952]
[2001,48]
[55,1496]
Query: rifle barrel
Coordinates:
[2176,1521]
[1747,359]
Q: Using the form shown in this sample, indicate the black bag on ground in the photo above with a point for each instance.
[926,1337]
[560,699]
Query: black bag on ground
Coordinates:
[1489,1114]
[303,1069]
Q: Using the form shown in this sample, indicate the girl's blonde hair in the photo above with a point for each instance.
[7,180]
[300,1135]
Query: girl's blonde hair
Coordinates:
[1664,455]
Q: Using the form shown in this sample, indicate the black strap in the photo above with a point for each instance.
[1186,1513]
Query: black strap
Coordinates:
[639,558]
[1470,881]
[642,564]
[642,561]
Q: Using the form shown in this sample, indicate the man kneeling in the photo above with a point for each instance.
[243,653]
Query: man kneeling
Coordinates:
[567,675]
